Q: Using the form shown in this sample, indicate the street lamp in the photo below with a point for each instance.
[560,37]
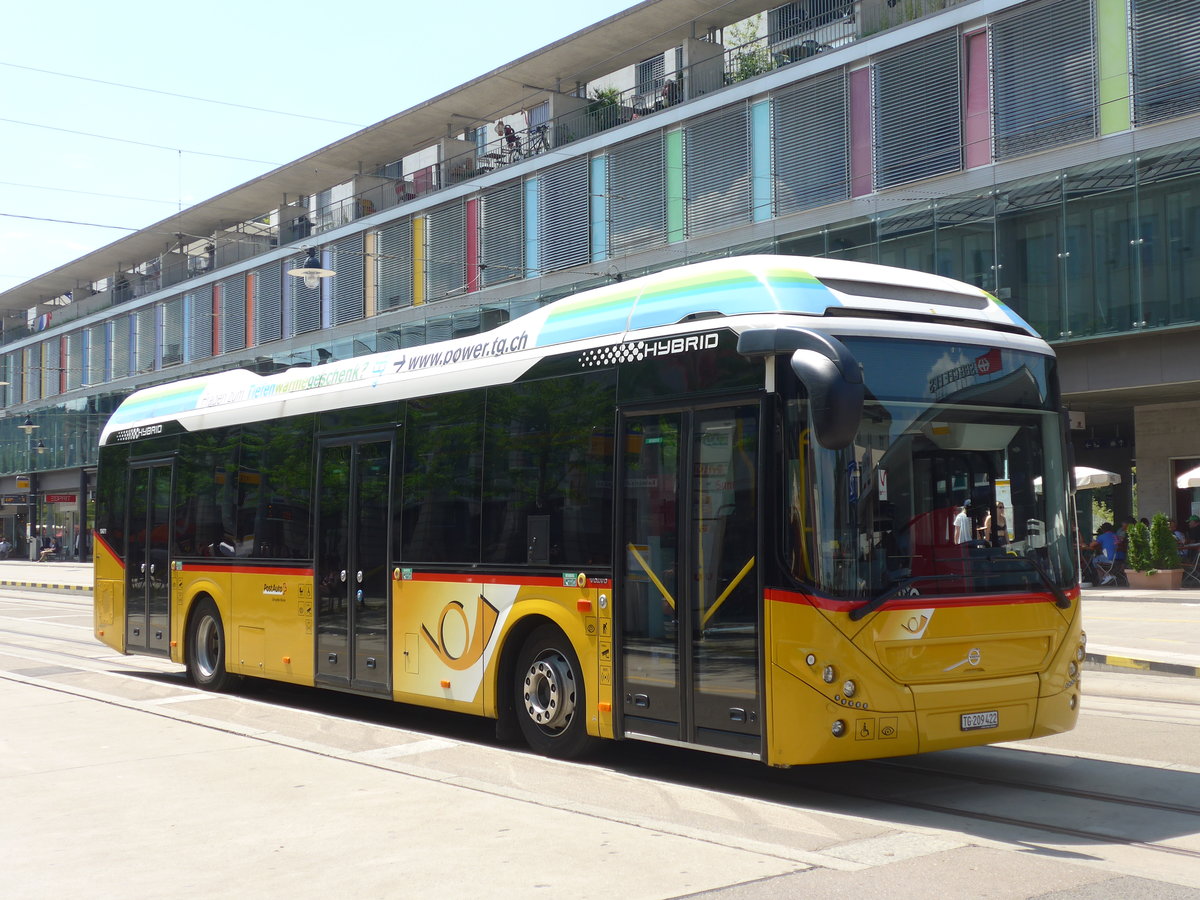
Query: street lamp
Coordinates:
[312,271]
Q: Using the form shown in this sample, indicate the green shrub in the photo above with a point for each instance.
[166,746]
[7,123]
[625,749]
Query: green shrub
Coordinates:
[1138,551]
[1164,548]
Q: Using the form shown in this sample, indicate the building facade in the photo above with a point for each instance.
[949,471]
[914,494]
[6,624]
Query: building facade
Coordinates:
[1047,151]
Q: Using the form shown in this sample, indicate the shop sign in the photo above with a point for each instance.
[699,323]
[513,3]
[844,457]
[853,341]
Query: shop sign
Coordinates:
[14,499]
[22,482]
[60,498]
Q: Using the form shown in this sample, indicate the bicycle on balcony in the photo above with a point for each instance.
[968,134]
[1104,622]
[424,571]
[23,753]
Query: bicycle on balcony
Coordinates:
[539,139]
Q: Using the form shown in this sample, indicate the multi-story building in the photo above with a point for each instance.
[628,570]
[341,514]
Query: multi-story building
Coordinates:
[1048,151]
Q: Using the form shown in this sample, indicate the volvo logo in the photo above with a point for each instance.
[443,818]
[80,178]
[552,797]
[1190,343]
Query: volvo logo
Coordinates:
[972,659]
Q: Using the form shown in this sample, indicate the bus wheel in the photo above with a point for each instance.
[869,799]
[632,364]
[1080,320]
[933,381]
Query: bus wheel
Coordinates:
[206,649]
[549,695]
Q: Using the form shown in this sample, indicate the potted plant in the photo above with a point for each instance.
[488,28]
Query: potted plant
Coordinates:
[1153,556]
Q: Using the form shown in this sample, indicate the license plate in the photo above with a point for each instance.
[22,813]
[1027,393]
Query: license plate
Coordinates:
[976,721]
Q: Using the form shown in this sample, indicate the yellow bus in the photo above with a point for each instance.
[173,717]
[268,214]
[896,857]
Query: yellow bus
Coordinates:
[739,506]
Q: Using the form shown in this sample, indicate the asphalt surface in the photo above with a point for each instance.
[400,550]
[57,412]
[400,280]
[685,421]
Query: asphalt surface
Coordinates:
[1141,631]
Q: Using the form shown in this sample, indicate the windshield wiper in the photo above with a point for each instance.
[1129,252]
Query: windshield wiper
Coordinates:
[875,602]
[1061,600]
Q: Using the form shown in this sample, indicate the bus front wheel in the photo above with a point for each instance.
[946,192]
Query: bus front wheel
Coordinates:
[206,649]
[550,695]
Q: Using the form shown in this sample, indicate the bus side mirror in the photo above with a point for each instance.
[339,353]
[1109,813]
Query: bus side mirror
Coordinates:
[829,372]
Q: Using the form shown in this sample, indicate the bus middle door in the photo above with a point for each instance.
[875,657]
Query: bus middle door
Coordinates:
[353,618]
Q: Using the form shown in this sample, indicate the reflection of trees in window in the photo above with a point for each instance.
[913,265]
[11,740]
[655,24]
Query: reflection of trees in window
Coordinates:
[548,478]
[204,494]
[443,454]
[274,490]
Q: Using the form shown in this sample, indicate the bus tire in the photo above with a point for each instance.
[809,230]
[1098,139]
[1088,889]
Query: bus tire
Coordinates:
[549,695]
[206,647]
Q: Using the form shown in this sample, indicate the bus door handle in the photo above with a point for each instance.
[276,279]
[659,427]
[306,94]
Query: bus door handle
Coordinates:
[343,575]
[360,576]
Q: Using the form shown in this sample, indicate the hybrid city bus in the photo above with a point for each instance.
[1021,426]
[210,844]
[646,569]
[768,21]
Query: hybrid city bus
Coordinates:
[794,510]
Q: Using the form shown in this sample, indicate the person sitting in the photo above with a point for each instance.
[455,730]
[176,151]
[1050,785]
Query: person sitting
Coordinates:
[5,548]
[1108,560]
[49,548]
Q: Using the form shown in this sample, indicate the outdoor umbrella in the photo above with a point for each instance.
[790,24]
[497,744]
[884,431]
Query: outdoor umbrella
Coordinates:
[1086,478]
[1189,479]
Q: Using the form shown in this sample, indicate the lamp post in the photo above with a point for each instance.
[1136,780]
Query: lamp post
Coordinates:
[312,271]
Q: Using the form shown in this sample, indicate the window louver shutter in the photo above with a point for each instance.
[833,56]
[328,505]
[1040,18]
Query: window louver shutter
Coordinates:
[811,150]
[502,238]
[200,323]
[717,151]
[79,365]
[1044,82]
[446,264]
[394,266]
[145,325]
[268,304]
[348,284]
[306,301]
[172,328]
[33,372]
[121,346]
[233,314]
[637,198]
[564,236]
[918,118]
[97,355]
[51,364]
[1166,69]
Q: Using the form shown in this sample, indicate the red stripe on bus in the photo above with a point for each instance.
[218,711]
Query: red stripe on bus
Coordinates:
[245,570]
[776,595]
[107,549]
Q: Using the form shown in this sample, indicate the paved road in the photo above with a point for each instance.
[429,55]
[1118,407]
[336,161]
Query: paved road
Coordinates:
[120,778]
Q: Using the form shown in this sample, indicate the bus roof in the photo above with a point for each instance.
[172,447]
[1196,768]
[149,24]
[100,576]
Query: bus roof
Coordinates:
[725,287]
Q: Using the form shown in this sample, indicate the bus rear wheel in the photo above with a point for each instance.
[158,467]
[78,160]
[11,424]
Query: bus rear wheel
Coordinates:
[550,695]
[206,649]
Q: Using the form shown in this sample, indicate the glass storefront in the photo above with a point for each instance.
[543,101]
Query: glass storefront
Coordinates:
[1107,248]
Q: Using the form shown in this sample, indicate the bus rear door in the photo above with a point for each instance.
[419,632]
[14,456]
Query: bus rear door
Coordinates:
[689,623]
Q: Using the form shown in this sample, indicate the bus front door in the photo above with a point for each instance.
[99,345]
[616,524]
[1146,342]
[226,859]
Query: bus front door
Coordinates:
[147,568]
[353,620]
[688,622]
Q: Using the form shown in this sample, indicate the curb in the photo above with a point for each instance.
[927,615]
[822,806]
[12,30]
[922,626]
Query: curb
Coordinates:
[1106,661]
[43,586]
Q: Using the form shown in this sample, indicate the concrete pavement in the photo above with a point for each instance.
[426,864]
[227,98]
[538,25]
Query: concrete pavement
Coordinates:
[1140,631]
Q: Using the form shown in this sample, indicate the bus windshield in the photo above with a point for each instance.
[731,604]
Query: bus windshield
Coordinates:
[955,483]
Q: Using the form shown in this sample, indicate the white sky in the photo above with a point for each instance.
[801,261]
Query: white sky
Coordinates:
[356,62]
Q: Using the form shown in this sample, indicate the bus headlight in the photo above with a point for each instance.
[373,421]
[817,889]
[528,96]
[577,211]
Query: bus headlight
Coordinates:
[1072,668]
[1079,653]
[828,675]
[838,729]
[849,689]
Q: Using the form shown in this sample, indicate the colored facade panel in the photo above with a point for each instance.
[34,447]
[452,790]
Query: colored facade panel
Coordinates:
[533,254]
[977,124]
[675,206]
[598,207]
[861,152]
[1112,34]
[760,161]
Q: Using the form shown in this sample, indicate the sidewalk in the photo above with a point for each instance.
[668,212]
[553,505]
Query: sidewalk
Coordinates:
[1141,631]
